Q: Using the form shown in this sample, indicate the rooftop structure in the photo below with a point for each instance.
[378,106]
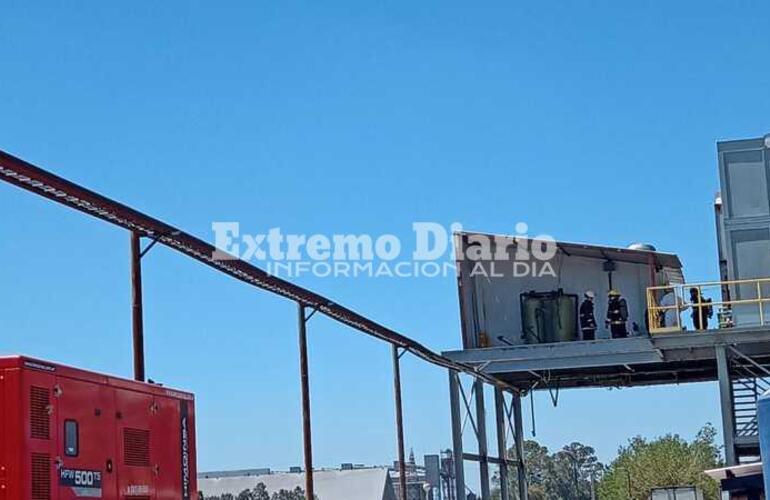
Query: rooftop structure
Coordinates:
[352,484]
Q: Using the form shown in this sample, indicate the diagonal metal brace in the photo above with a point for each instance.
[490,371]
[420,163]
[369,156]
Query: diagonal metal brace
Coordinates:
[754,363]
[469,414]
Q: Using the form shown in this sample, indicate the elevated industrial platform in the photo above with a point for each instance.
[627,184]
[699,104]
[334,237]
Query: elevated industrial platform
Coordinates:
[738,358]
[636,361]
[530,309]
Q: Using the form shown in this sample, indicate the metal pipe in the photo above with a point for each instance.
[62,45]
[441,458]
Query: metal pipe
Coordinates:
[502,447]
[481,423]
[137,324]
[399,423]
[307,438]
[48,185]
[457,434]
[518,423]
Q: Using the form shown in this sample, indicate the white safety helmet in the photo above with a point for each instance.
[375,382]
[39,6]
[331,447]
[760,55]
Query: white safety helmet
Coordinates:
[590,294]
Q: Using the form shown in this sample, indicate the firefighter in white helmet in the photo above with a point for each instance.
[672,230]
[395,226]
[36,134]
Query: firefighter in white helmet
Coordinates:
[617,315]
[587,318]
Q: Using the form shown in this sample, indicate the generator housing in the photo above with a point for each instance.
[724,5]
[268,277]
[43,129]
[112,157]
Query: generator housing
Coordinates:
[68,434]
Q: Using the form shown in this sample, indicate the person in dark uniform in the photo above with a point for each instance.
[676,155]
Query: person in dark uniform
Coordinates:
[617,315]
[587,318]
[701,309]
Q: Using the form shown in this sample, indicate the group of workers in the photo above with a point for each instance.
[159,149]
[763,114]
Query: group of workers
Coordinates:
[701,312]
[616,318]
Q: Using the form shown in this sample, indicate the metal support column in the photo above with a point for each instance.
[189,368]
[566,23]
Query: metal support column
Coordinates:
[481,423]
[399,423]
[518,424]
[457,434]
[502,447]
[305,387]
[726,401]
[136,306]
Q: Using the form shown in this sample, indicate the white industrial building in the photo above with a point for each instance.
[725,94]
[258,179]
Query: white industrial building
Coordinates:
[354,484]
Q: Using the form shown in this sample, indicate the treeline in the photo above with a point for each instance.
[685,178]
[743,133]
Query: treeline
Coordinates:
[574,473]
[569,473]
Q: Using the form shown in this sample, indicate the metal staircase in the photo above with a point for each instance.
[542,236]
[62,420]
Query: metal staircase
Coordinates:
[749,380]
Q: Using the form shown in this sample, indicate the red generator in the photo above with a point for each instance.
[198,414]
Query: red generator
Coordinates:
[69,434]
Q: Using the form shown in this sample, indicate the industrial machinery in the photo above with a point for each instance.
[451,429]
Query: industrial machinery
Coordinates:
[549,316]
[67,434]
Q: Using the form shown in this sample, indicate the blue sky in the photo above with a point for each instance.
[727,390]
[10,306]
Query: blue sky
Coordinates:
[591,122]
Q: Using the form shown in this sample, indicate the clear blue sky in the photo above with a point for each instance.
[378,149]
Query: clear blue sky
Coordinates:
[592,122]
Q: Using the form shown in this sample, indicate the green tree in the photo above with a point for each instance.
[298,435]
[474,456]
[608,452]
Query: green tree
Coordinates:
[564,475]
[573,468]
[260,492]
[245,495]
[297,494]
[666,461]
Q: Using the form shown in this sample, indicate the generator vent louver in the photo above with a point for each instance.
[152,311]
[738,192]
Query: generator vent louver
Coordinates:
[136,447]
[41,476]
[39,417]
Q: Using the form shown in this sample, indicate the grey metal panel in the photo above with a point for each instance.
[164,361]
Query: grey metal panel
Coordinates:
[605,359]
[744,176]
[433,469]
[588,349]
[738,336]
[747,249]
[578,362]
[750,252]
[740,144]
[747,266]
[466,291]
[565,355]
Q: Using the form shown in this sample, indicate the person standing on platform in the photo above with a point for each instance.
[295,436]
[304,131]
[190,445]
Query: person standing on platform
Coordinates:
[701,309]
[587,318]
[617,315]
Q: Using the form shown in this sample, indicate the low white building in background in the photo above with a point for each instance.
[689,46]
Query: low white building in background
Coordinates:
[354,484]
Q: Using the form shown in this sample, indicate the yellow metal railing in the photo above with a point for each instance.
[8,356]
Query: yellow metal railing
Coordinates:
[665,304]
